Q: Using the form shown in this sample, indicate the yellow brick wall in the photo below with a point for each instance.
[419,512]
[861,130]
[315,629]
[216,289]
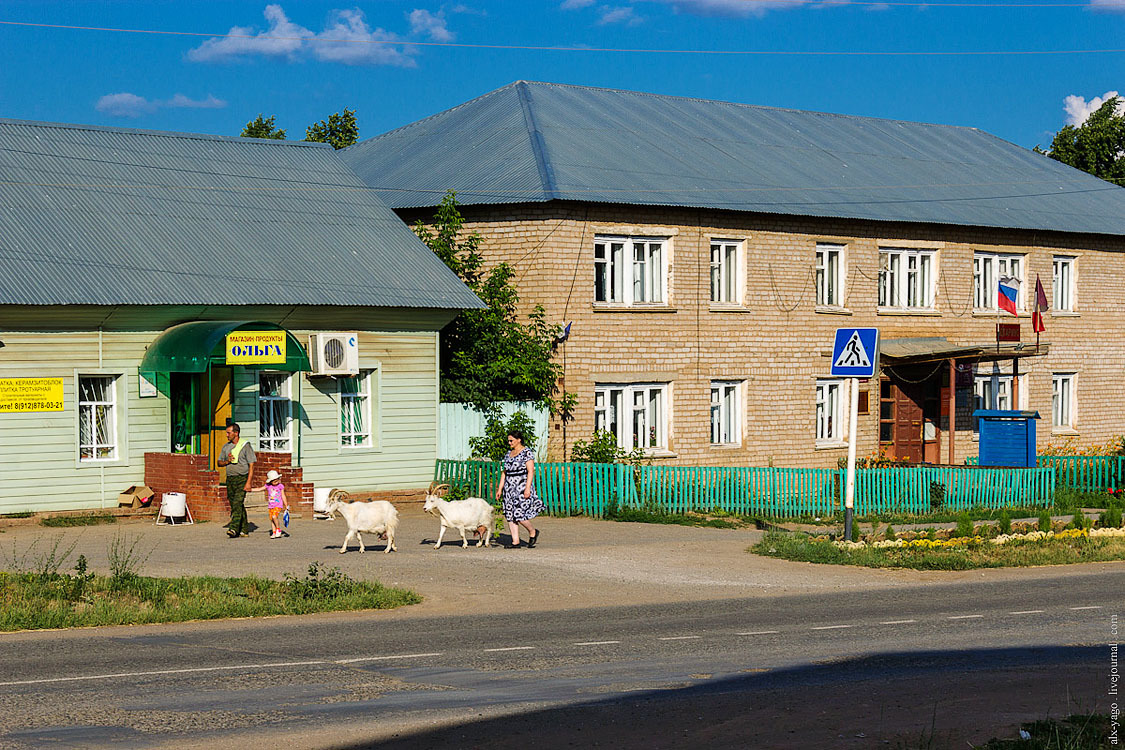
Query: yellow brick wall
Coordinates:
[777,341]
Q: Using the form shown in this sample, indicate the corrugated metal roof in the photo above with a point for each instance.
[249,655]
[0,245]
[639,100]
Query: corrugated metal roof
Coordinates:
[109,216]
[532,142]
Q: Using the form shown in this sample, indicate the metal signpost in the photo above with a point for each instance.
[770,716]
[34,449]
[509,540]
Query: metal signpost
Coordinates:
[855,355]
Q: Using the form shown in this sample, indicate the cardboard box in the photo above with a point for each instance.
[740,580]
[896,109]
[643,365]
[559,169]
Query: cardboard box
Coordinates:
[137,496]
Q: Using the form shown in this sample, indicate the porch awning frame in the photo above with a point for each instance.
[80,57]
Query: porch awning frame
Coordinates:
[198,345]
[936,349]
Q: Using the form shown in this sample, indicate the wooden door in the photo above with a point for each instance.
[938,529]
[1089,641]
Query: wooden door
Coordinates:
[908,421]
[221,410]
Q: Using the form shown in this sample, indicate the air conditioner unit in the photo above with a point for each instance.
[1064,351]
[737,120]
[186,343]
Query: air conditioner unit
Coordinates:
[334,353]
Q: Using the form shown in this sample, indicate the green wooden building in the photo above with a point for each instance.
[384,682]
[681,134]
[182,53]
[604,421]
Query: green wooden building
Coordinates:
[154,285]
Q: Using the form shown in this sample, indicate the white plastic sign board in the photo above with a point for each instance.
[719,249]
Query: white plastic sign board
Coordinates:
[856,352]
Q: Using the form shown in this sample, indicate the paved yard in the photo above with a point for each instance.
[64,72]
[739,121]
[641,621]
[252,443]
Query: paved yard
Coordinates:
[581,562]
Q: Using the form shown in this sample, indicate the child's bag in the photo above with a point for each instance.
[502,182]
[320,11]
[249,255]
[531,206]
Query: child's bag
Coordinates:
[285,518]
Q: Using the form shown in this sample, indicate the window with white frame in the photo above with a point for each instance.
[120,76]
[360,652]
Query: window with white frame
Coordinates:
[726,428]
[636,413]
[906,278]
[275,412]
[629,270]
[355,411]
[829,275]
[97,417]
[988,270]
[1062,400]
[994,391]
[1063,286]
[725,278]
[829,412]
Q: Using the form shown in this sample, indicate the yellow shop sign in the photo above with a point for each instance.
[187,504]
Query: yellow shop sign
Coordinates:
[256,348]
[31,394]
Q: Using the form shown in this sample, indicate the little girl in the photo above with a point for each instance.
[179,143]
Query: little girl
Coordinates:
[275,495]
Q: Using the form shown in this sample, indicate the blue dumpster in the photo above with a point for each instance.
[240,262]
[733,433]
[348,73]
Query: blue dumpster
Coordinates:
[1007,437]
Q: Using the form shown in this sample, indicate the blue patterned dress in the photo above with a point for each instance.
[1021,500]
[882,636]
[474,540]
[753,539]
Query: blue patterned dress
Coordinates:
[515,506]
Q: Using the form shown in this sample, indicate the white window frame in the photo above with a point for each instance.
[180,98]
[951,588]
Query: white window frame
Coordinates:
[87,412]
[829,275]
[1063,401]
[907,278]
[270,443]
[628,403]
[366,437]
[726,272]
[630,270]
[994,391]
[726,412]
[830,412]
[988,269]
[1062,286]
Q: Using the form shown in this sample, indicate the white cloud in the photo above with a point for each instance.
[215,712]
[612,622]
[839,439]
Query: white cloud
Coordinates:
[1078,109]
[431,24]
[728,8]
[125,104]
[346,38]
[611,15]
[576,4]
[1112,5]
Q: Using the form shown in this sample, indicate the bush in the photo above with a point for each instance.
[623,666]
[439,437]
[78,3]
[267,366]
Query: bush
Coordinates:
[1111,518]
[601,449]
[493,444]
[1044,520]
[964,526]
[889,534]
[937,496]
[1005,525]
[1078,521]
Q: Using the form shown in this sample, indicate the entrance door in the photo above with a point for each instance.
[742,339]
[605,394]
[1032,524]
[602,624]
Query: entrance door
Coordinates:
[909,398]
[221,411]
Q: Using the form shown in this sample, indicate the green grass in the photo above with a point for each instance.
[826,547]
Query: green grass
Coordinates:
[30,601]
[1068,498]
[1076,732]
[92,519]
[803,548]
[20,514]
[643,515]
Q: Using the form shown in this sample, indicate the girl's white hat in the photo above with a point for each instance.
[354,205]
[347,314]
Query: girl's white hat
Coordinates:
[272,475]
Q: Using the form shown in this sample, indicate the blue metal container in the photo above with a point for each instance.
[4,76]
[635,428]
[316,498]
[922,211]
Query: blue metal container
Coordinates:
[1007,438]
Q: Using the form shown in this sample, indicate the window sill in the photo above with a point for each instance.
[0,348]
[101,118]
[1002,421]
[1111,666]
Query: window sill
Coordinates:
[605,307]
[1002,314]
[830,446]
[93,463]
[661,453]
[919,313]
[726,446]
[722,307]
[832,310]
[1065,314]
[1066,432]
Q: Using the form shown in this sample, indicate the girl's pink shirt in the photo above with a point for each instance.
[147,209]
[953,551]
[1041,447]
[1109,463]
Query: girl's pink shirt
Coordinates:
[275,493]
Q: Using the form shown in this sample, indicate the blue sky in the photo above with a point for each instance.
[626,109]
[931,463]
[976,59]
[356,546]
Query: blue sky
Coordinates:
[293,66]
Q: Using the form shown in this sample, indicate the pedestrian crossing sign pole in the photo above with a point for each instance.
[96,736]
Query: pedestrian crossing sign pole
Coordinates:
[855,355]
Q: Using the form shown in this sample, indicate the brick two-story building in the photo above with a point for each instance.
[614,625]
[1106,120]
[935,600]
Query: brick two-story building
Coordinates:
[706,252]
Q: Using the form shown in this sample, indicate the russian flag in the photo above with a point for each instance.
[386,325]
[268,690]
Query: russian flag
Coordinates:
[1009,289]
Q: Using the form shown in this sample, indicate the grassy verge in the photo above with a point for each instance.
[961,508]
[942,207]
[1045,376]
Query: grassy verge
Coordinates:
[643,515]
[1077,732]
[93,519]
[31,601]
[802,548]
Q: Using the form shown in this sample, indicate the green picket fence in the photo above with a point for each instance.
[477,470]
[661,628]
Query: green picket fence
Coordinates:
[589,489]
[1084,473]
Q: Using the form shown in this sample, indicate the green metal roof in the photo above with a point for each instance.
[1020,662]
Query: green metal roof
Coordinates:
[193,347]
[112,216]
[534,142]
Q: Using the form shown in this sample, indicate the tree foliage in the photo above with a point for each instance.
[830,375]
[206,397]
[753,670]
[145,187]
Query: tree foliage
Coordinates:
[489,355]
[263,127]
[493,444]
[339,130]
[1096,146]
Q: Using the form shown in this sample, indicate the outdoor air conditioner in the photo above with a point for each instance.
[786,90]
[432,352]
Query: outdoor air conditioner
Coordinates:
[334,353]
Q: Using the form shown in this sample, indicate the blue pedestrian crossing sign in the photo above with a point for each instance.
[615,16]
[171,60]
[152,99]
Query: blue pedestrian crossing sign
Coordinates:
[856,352]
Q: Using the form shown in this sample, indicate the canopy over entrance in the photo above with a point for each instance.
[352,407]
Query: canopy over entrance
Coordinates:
[936,349]
[195,346]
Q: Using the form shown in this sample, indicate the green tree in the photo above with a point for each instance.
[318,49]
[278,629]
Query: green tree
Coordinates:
[263,127]
[338,131]
[489,355]
[1096,146]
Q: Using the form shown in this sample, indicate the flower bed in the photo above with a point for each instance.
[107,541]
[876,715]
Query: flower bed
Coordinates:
[967,541]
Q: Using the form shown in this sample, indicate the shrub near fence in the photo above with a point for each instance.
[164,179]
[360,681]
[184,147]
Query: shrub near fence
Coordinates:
[1083,473]
[589,489]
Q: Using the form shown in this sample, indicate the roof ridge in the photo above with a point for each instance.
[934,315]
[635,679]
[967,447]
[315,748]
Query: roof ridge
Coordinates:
[157,133]
[538,146]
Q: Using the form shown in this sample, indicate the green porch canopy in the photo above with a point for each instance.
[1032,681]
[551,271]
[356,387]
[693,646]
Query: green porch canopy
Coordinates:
[195,346]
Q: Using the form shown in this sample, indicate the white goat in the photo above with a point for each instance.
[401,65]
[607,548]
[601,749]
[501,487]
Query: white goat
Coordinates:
[472,513]
[375,516]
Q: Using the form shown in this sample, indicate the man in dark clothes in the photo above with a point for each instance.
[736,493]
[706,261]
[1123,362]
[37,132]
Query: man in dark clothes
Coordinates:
[238,456]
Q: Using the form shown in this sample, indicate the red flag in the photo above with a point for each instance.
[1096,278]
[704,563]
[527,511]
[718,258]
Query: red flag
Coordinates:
[1040,306]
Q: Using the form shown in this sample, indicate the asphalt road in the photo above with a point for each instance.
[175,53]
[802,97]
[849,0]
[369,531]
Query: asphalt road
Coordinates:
[609,676]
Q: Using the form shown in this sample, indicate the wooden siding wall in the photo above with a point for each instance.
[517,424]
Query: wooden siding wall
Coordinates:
[39,469]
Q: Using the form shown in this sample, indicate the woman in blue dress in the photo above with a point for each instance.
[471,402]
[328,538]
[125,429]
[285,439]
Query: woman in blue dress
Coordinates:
[516,492]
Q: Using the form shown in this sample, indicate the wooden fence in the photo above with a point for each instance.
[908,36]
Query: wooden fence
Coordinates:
[590,489]
[1084,473]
